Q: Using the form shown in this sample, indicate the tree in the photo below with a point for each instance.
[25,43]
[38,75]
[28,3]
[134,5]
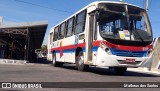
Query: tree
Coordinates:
[44,48]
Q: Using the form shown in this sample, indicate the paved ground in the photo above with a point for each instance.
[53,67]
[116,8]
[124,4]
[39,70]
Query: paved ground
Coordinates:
[44,72]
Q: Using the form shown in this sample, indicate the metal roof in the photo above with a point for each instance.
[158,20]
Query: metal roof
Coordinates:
[30,34]
[25,24]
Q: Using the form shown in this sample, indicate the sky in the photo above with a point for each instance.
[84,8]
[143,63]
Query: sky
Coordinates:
[55,11]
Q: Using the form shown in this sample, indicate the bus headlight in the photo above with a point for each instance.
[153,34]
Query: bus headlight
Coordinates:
[105,48]
[108,51]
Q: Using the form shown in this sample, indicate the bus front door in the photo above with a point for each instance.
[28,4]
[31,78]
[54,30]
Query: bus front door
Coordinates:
[90,39]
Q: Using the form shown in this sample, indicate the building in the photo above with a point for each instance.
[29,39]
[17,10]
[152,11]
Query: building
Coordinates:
[19,40]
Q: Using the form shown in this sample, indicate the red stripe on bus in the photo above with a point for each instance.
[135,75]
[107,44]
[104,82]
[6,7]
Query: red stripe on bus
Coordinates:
[129,48]
[82,45]
[110,45]
[122,47]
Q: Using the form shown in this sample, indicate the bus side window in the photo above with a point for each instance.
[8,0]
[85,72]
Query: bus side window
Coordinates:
[69,28]
[80,22]
[62,30]
[56,33]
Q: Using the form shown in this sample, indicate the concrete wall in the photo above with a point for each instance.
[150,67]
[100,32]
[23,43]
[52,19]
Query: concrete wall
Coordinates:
[156,55]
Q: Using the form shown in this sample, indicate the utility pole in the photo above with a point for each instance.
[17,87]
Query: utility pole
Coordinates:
[1,20]
[146,6]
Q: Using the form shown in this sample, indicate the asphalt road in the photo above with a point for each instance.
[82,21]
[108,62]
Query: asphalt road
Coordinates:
[45,72]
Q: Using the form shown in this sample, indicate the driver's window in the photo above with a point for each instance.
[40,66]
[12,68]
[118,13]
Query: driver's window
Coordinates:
[140,24]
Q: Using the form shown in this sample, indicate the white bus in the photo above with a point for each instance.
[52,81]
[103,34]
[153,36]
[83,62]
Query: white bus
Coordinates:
[104,34]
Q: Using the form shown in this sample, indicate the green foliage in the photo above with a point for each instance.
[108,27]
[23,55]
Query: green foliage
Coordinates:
[44,48]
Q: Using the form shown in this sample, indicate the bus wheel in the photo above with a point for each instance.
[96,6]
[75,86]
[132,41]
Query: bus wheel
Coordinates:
[55,63]
[80,62]
[120,70]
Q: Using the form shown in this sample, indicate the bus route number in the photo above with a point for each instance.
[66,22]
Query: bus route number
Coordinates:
[107,28]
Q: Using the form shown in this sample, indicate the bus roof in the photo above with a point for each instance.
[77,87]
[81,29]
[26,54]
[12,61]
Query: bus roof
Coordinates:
[91,4]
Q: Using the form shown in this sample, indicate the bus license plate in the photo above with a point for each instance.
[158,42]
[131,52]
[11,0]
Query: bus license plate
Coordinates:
[130,60]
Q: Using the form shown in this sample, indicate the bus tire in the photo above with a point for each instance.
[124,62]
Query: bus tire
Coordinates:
[80,62]
[120,70]
[54,62]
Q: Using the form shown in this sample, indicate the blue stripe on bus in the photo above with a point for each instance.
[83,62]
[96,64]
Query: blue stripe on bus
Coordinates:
[94,49]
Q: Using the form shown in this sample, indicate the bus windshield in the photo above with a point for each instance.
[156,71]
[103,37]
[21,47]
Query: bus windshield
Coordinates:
[124,23]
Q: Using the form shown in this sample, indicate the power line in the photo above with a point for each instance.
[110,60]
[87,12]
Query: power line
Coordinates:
[43,6]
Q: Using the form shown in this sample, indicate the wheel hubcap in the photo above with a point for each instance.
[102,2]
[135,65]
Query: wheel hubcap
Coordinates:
[80,60]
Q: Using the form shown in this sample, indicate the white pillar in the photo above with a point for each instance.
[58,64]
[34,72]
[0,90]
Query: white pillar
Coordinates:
[1,20]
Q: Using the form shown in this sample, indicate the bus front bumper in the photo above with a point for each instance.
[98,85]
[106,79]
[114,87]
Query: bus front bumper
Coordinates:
[106,60]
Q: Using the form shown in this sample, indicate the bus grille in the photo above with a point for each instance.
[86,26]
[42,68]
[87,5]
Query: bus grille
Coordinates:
[128,53]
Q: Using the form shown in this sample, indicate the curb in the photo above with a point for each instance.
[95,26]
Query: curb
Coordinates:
[144,70]
[12,61]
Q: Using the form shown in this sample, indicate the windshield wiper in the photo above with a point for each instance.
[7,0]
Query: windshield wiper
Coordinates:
[139,35]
